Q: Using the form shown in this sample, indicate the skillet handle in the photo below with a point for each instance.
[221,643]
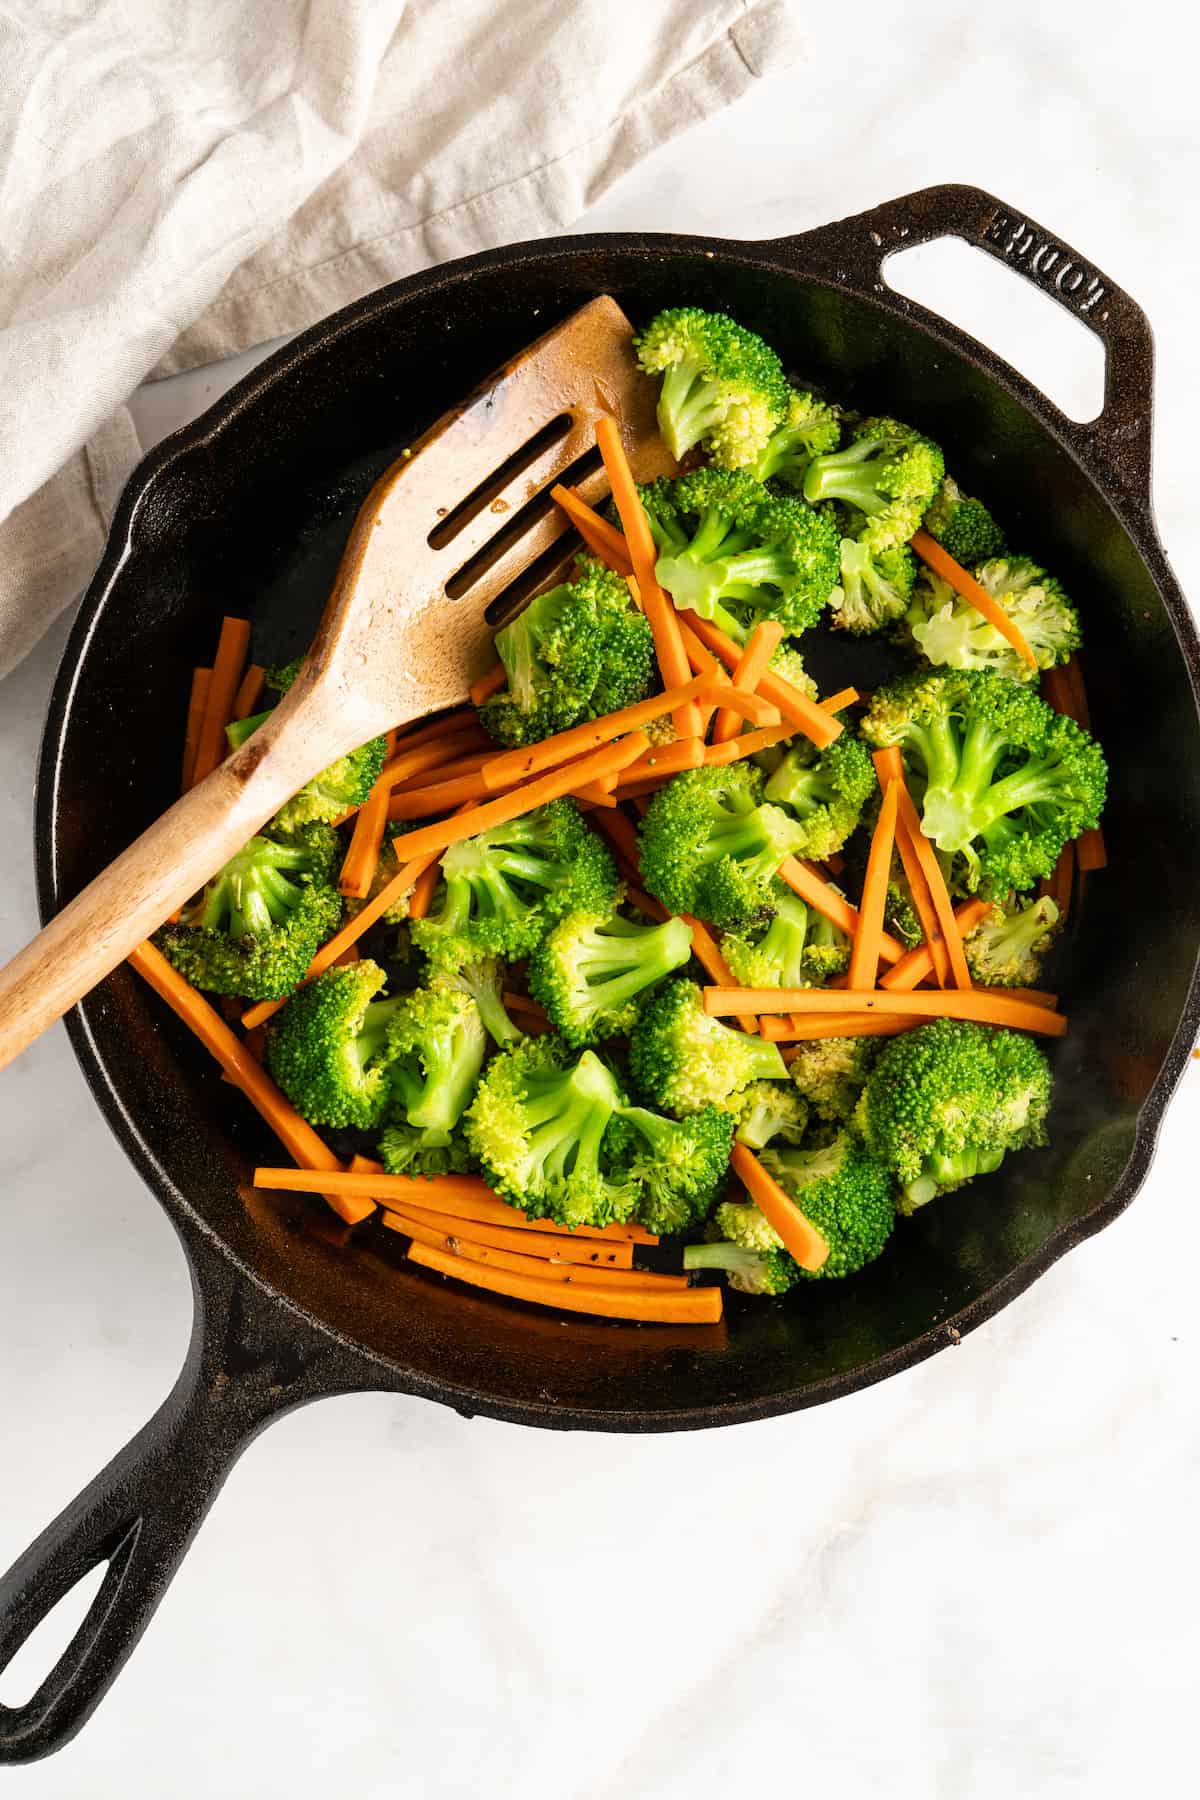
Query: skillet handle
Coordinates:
[141,1513]
[854,252]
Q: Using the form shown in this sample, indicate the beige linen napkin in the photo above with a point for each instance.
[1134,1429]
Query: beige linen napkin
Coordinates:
[182,181]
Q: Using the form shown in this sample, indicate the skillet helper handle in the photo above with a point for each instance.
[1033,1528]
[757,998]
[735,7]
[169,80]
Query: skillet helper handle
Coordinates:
[1117,442]
[166,865]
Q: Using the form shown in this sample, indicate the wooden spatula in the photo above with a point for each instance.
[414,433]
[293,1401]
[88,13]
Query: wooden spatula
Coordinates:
[441,535]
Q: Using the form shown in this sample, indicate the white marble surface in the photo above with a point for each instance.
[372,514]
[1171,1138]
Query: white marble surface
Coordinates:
[974,1581]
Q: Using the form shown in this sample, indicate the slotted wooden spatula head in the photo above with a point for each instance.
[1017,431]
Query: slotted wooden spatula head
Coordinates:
[463,526]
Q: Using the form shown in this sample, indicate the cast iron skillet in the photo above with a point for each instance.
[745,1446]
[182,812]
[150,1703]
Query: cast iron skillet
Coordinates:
[246,511]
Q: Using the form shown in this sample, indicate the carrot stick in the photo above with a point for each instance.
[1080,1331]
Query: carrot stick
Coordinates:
[586,1253]
[834,1025]
[294,1133]
[547,753]
[430,755]
[864,955]
[1062,881]
[1062,688]
[890,767]
[358,868]
[800,1239]
[191,735]
[524,1003]
[748,744]
[595,795]
[608,543]
[1090,852]
[459,1237]
[249,693]
[424,888]
[463,1196]
[665,759]
[761,646]
[814,721]
[1081,711]
[232,646]
[990,1006]
[469,763]
[931,552]
[938,892]
[622,835]
[448,725]
[709,955]
[668,644]
[912,969]
[830,904]
[646,903]
[437,797]
[1056,691]
[698,1306]
[486,685]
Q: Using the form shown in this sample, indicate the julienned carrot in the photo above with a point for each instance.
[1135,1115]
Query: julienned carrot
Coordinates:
[294,1133]
[717,756]
[485,686]
[463,1196]
[931,552]
[665,759]
[358,868]
[698,1306]
[437,797]
[649,773]
[448,725]
[582,1253]
[890,767]
[831,905]
[530,759]
[430,755]
[791,1029]
[459,1237]
[604,539]
[524,1003]
[1061,883]
[1056,691]
[1062,688]
[864,952]
[595,794]
[761,646]
[348,958]
[1074,673]
[424,888]
[646,903]
[990,1006]
[709,955]
[913,969]
[228,663]
[939,893]
[348,934]
[800,1239]
[623,838]
[191,734]
[668,644]
[1090,852]
[814,721]
[249,693]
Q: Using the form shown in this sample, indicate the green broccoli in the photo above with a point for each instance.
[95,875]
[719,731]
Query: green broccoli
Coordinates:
[407,1150]
[280,677]
[734,552]
[387,867]
[1006,948]
[767,1110]
[328,1048]
[845,1194]
[798,947]
[887,471]
[592,970]
[710,847]
[830,1073]
[875,586]
[501,891]
[769,1271]
[810,428]
[723,387]
[682,1060]
[825,790]
[948,1101]
[345,783]
[254,929]
[580,650]
[788,663]
[678,1165]
[538,1125]
[435,1048]
[1003,781]
[963,527]
[951,633]
[482,981]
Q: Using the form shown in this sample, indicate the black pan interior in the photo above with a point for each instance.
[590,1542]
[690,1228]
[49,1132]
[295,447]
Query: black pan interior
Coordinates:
[249,517]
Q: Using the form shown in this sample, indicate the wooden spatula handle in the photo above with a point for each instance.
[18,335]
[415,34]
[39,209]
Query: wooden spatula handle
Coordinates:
[158,872]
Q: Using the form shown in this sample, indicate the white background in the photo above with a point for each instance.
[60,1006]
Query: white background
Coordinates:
[977,1580]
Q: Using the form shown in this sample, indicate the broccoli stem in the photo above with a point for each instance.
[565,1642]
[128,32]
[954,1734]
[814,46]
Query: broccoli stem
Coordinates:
[689,404]
[733,1259]
[846,475]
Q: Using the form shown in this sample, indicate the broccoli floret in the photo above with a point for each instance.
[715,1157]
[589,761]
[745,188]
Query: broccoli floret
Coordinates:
[830,1073]
[948,1101]
[406,1150]
[538,1125]
[1006,948]
[345,783]
[387,867]
[435,1049]
[788,663]
[682,1060]
[723,387]
[280,678]
[483,981]
[710,847]
[1004,781]
[328,1048]
[845,1194]
[254,929]
[964,527]
[875,586]
[951,633]
[825,790]
[766,1110]
[592,970]
[798,947]
[501,891]
[888,471]
[678,1165]
[810,428]
[628,664]
[734,552]
[748,1271]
